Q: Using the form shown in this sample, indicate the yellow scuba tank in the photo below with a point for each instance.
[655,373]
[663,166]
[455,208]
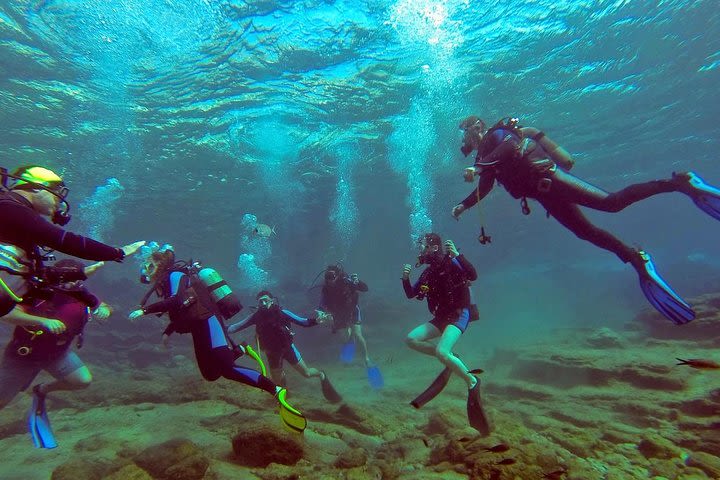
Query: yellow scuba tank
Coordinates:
[220,291]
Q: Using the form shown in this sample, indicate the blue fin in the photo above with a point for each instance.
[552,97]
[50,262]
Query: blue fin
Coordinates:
[348,352]
[375,377]
[39,424]
[661,296]
[706,197]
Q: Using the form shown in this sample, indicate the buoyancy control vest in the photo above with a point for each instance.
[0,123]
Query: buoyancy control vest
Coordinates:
[506,150]
[446,288]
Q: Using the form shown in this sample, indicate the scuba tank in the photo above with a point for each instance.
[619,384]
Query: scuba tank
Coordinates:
[220,292]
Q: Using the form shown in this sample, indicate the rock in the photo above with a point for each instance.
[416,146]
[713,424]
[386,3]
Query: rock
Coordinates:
[655,446]
[128,472]
[710,464]
[85,469]
[605,338]
[176,459]
[356,457]
[262,445]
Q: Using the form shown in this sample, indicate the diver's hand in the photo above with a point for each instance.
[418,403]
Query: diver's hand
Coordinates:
[322,317]
[102,312]
[90,269]
[458,210]
[132,247]
[451,249]
[136,314]
[406,271]
[354,278]
[53,326]
[469,174]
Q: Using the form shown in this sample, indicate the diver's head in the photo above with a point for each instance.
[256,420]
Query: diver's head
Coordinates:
[46,191]
[474,129]
[68,270]
[332,273]
[157,263]
[430,246]
[265,299]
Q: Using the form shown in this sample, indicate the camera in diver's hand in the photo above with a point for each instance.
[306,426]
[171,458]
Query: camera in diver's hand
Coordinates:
[58,275]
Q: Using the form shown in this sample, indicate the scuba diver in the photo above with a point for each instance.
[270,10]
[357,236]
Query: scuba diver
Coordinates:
[198,301]
[339,297]
[530,165]
[38,192]
[275,337]
[26,243]
[445,284]
[32,349]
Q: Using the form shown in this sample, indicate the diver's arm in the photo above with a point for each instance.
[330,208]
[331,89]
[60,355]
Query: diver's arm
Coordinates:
[410,290]
[466,267]
[557,153]
[242,324]
[297,319]
[83,295]
[484,186]
[18,316]
[163,306]
[32,228]
[361,286]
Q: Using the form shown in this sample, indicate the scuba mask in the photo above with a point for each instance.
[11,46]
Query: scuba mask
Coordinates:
[55,186]
[147,272]
[429,253]
[266,302]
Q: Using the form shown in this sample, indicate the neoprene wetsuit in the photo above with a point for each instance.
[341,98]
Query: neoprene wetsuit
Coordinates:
[213,350]
[535,175]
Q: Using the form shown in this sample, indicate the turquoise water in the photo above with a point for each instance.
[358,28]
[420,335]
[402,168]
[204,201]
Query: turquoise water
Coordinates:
[336,123]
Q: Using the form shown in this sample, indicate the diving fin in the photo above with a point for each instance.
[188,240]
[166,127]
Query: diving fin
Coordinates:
[291,417]
[329,392]
[476,414]
[348,352]
[706,197]
[375,377]
[38,422]
[434,389]
[660,295]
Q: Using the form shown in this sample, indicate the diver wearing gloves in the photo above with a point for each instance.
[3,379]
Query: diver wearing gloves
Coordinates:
[193,307]
[275,337]
[445,284]
[530,165]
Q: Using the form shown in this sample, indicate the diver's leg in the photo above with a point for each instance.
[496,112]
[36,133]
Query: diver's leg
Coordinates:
[575,190]
[449,338]
[570,216]
[70,374]
[216,357]
[360,340]
[16,375]
[418,338]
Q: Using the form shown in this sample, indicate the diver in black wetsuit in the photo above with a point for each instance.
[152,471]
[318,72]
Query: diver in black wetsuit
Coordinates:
[37,193]
[190,313]
[530,165]
[275,337]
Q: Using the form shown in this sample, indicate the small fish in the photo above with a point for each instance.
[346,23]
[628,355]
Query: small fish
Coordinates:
[556,474]
[425,442]
[476,371]
[464,439]
[264,231]
[499,448]
[506,461]
[699,363]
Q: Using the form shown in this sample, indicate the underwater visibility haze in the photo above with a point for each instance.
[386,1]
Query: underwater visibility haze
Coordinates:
[270,139]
